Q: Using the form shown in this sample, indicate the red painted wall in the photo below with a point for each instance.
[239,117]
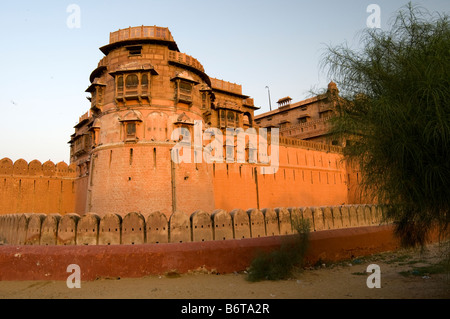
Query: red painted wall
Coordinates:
[50,262]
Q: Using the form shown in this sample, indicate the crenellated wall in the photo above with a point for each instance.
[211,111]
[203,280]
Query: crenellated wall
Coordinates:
[154,228]
[36,187]
[309,174]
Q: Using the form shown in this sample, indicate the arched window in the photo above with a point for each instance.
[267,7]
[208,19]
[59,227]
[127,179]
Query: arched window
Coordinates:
[132,81]
[247,119]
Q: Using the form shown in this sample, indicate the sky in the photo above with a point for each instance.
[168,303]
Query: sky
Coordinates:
[49,50]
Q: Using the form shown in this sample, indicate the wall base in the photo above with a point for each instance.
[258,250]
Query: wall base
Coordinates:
[50,262]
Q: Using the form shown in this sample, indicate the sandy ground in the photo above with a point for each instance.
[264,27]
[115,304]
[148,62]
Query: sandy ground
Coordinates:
[402,277]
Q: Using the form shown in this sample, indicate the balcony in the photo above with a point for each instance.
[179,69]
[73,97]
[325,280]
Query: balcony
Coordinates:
[81,144]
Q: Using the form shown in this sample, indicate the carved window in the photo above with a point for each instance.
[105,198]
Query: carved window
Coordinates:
[131,130]
[120,85]
[203,100]
[97,91]
[130,127]
[82,144]
[132,81]
[222,118]
[144,84]
[144,80]
[185,87]
[230,118]
[185,92]
[131,85]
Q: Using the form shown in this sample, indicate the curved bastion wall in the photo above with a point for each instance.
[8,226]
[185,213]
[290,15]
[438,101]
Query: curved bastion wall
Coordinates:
[309,174]
[155,228]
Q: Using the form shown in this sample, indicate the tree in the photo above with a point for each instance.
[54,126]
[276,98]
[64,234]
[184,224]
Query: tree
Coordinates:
[395,112]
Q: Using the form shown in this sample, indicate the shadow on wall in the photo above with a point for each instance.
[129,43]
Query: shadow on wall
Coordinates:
[134,228]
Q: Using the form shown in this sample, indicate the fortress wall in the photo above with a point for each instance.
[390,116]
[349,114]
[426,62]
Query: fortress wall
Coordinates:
[355,194]
[81,193]
[36,188]
[193,187]
[145,180]
[305,177]
[134,228]
[141,180]
[234,185]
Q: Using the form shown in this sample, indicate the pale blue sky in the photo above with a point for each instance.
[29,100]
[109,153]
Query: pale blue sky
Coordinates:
[45,65]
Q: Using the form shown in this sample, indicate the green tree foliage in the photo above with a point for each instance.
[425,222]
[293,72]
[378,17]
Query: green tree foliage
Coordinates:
[395,112]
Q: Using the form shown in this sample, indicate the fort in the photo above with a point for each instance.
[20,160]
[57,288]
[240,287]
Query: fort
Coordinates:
[143,91]
[122,187]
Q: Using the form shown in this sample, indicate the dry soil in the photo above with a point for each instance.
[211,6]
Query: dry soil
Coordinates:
[405,274]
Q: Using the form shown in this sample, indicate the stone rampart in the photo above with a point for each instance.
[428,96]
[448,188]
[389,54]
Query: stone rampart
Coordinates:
[134,228]
[37,187]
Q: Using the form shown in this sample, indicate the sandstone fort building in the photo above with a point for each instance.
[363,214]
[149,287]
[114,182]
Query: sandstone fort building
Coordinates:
[120,152]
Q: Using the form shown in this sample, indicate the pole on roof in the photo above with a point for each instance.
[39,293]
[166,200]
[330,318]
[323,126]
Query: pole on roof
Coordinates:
[270,103]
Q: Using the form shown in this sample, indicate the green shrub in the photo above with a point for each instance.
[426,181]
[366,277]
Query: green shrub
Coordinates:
[279,264]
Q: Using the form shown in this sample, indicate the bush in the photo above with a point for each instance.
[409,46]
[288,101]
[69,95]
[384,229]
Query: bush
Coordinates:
[279,264]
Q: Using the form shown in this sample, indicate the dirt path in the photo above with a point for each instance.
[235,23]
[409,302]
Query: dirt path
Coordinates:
[404,274]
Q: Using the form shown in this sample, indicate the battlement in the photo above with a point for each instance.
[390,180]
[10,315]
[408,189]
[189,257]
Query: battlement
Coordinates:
[200,226]
[295,142]
[36,169]
[133,35]
[84,117]
[226,86]
[142,32]
[185,59]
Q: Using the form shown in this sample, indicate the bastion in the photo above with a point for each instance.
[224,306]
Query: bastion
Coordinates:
[123,188]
